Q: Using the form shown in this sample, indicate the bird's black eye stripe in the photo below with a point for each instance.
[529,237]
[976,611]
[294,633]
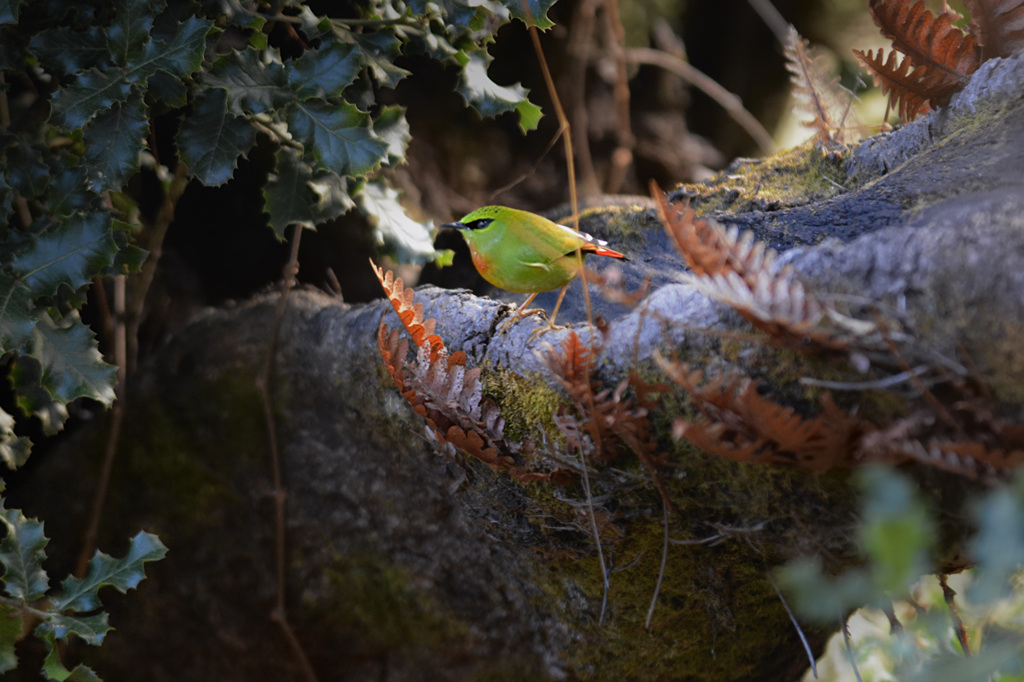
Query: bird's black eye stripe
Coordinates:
[480,223]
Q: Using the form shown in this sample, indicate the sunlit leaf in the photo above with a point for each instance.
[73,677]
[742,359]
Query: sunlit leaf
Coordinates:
[410,240]
[14,449]
[392,127]
[538,11]
[72,366]
[211,139]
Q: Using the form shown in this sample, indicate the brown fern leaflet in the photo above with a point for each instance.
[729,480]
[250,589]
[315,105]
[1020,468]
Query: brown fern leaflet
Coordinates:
[818,94]
[937,57]
[440,389]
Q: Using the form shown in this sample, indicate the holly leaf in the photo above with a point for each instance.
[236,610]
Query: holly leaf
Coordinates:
[22,555]
[129,31]
[16,315]
[65,50]
[378,51]
[95,90]
[82,594]
[14,449]
[392,127]
[325,72]
[538,12]
[410,240]
[296,195]
[255,81]
[92,628]
[338,137]
[69,192]
[71,364]
[491,99]
[211,139]
[71,255]
[26,376]
[113,142]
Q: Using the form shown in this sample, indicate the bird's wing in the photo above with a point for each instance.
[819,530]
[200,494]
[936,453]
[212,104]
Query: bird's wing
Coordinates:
[581,236]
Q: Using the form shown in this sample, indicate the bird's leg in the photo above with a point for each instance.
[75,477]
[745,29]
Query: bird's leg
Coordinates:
[551,323]
[519,313]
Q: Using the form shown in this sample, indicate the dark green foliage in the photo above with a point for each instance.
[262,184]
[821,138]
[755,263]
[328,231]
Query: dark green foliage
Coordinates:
[28,601]
[102,78]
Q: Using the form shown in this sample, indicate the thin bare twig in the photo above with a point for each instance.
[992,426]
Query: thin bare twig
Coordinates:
[727,100]
[799,631]
[279,614]
[844,626]
[661,571]
[949,594]
[622,157]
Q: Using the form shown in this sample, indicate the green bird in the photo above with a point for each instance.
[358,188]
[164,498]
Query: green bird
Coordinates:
[526,253]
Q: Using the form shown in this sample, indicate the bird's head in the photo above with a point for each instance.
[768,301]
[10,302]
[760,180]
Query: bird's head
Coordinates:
[478,219]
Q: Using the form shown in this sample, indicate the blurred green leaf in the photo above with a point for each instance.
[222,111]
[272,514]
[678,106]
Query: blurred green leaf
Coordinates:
[818,597]
[22,555]
[81,594]
[324,72]
[897,530]
[998,547]
[338,137]
[9,11]
[211,139]
[71,254]
[114,140]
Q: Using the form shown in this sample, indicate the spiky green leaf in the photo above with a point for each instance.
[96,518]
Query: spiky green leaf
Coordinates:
[71,254]
[65,50]
[26,375]
[410,240]
[324,72]
[298,195]
[255,81]
[95,91]
[378,51]
[113,142]
[338,137]
[92,628]
[212,139]
[491,99]
[81,594]
[22,555]
[70,193]
[537,11]
[392,127]
[70,361]
[129,31]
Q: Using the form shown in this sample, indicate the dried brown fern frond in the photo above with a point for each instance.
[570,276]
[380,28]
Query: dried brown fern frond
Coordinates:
[818,92]
[742,273]
[443,391]
[938,56]
[738,423]
[997,25]
[409,312]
